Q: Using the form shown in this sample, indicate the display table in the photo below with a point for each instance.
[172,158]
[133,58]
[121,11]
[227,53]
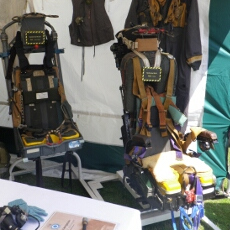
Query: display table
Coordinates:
[51,201]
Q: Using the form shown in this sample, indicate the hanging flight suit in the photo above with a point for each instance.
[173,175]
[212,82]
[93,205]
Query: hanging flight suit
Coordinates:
[90,24]
[181,18]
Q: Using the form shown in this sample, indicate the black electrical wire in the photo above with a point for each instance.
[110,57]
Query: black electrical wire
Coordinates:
[36,220]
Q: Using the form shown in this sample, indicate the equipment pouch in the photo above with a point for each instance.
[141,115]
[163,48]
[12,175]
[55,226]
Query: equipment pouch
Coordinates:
[152,74]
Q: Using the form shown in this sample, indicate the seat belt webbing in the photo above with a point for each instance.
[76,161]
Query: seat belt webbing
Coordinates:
[161,111]
[170,84]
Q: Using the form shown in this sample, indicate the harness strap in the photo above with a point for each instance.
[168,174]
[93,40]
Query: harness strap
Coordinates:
[179,154]
[195,131]
[17,111]
[132,46]
[138,84]
[170,84]
[162,114]
[145,114]
[49,51]
[176,135]
[11,63]
[23,61]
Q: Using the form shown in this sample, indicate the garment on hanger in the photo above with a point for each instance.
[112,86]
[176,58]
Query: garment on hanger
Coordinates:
[90,24]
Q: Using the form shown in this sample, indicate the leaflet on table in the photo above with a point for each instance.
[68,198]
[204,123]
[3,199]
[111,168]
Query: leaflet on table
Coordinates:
[67,221]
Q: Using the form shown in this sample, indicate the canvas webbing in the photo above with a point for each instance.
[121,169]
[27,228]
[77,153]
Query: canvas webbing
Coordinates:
[161,111]
[147,112]
[17,48]
[138,84]
[49,51]
[170,84]
[132,45]
[23,61]
[146,101]
[51,81]
[176,135]
[195,131]
[146,94]
[140,91]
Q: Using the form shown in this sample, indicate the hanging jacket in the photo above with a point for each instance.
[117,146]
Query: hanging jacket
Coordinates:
[90,24]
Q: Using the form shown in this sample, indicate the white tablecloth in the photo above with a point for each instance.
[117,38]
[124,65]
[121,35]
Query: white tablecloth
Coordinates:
[51,201]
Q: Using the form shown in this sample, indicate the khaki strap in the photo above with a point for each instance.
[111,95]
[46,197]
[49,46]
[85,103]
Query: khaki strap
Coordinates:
[162,114]
[138,84]
[176,135]
[195,131]
[139,91]
[60,86]
[170,84]
[145,114]
[29,84]
[149,104]
[51,81]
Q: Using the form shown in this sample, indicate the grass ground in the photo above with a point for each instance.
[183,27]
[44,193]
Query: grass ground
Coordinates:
[217,210]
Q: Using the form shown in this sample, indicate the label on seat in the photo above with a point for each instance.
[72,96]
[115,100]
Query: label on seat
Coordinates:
[42,95]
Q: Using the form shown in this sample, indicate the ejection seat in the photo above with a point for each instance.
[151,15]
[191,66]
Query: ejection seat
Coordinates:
[159,166]
[42,117]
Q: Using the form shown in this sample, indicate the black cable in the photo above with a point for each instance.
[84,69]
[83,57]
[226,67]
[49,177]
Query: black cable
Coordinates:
[36,220]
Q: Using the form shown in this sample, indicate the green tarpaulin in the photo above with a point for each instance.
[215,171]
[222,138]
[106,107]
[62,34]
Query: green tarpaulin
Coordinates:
[217,99]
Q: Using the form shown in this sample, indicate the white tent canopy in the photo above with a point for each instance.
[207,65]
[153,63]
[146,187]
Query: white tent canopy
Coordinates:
[96,100]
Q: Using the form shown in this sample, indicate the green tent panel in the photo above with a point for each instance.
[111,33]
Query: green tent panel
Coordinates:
[217,99]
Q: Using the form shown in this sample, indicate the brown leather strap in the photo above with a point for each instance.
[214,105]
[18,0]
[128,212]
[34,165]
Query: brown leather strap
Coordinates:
[162,114]
[17,100]
[148,110]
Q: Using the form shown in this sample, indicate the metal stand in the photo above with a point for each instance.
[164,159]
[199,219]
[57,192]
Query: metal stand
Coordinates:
[91,187]
[148,216]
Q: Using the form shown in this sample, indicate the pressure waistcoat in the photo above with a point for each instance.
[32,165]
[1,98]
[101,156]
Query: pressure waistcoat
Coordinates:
[90,24]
